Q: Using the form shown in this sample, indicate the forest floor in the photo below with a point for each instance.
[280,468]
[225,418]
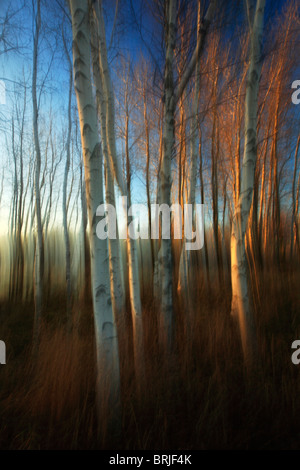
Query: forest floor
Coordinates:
[200,397]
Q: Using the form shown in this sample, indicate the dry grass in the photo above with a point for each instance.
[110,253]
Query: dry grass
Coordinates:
[198,397]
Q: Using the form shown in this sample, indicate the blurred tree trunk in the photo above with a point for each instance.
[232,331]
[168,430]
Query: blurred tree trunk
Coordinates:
[86,261]
[20,248]
[214,186]
[39,249]
[261,205]
[165,173]
[108,94]
[103,103]
[148,158]
[241,304]
[65,184]
[276,198]
[171,98]
[108,382]
[202,194]
[294,222]
[184,285]
[133,268]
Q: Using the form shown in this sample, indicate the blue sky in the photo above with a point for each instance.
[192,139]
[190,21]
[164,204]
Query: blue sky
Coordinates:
[128,40]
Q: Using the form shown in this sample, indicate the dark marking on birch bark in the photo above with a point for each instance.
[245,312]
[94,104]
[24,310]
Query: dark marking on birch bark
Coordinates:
[100,290]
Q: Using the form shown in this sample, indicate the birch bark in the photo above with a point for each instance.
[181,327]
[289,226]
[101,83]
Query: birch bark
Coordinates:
[115,265]
[241,307]
[105,325]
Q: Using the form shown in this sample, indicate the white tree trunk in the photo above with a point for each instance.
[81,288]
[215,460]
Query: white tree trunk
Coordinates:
[239,277]
[108,94]
[39,250]
[115,262]
[105,326]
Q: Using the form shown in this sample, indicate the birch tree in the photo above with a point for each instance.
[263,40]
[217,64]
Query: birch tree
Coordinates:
[165,170]
[39,251]
[132,255]
[108,97]
[65,183]
[115,265]
[172,95]
[105,98]
[294,222]
[183,282]
[105,324]
[241,304]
